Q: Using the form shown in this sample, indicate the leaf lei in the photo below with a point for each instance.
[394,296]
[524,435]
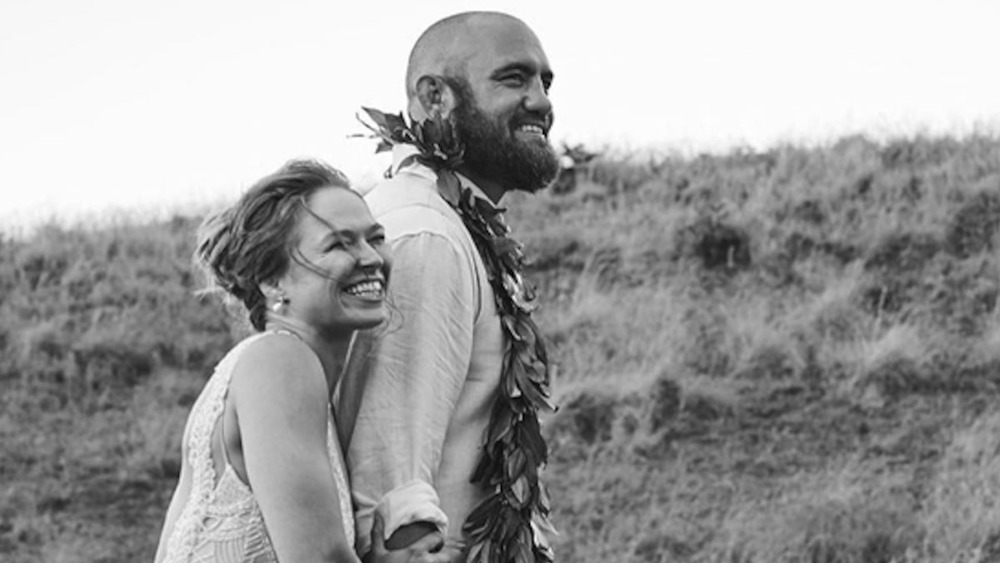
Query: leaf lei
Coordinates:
[509,525]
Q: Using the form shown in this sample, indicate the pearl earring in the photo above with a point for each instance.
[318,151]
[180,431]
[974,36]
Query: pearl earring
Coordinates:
[281,302]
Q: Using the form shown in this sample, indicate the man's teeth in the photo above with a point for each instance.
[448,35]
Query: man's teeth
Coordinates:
[532,129]
[371,288]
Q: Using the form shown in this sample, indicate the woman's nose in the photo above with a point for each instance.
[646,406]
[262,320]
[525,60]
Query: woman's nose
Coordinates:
[368,257]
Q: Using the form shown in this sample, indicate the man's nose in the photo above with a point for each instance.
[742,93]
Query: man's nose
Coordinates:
[537,99]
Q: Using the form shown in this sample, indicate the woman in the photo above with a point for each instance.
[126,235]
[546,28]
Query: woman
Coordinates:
[263,477]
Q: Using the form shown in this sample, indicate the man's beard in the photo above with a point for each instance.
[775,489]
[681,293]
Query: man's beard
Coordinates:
[492,151]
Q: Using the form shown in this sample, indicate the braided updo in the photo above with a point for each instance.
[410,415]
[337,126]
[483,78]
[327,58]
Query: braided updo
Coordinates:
[249,243]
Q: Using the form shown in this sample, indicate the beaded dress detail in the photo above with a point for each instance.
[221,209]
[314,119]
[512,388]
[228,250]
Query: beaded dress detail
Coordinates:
[221,521]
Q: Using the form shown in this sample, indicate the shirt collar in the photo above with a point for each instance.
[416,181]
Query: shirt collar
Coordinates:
[401,152]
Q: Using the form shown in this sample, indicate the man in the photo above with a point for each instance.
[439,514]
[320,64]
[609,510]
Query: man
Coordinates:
[416,406]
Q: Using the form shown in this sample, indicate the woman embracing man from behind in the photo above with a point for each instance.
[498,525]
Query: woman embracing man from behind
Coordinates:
[263,475]
[439,417]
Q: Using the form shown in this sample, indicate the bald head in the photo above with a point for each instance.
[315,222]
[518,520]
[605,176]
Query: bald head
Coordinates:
[487,73]
[446,46]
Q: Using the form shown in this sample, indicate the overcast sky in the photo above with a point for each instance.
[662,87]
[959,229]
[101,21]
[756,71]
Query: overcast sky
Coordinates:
[140,105]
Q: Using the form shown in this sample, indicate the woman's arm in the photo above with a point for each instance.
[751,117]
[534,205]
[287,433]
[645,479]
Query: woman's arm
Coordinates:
[281,400]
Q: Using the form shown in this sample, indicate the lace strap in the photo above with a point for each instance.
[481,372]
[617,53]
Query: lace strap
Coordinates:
[225,443]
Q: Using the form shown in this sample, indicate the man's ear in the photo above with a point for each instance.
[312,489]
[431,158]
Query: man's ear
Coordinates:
[436,96]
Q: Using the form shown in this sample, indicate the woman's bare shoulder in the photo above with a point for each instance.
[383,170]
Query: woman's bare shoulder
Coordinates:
[277,362]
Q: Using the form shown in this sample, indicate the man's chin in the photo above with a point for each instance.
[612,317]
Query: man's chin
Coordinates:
[535,186]
[526,163]
[533,144]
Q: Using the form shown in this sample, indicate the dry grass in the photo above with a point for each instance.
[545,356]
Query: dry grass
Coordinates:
[788,356]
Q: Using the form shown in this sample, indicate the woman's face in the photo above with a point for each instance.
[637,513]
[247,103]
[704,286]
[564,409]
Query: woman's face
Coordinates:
[340,264]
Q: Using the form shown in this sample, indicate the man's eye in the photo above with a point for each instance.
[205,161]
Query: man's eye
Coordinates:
[513,80]
[376,240]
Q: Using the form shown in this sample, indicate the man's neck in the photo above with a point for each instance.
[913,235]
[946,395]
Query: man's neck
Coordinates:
[493,189]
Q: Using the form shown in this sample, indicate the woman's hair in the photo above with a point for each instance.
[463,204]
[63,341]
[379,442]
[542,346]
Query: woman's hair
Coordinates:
[250,243]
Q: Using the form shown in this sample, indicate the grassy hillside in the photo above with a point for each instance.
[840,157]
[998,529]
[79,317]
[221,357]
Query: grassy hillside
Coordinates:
[761,357]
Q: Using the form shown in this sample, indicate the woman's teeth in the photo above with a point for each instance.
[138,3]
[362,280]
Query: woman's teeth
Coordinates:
[370,289]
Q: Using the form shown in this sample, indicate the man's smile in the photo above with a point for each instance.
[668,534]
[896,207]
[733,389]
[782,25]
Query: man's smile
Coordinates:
[531,129]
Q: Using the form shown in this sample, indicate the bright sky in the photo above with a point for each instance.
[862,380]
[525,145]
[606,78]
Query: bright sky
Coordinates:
[143,105]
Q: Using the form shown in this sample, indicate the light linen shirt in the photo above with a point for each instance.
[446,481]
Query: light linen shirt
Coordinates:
[416,399]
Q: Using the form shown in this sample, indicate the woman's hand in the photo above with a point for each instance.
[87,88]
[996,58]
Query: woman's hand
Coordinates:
[429,549]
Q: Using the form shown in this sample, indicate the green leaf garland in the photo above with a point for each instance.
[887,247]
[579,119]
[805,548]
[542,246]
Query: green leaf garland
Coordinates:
[511,524]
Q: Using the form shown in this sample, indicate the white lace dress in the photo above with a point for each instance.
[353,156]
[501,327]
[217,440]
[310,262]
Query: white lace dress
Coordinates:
[220,521]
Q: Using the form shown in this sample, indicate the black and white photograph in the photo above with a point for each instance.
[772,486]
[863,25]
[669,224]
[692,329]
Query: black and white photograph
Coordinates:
[315,281]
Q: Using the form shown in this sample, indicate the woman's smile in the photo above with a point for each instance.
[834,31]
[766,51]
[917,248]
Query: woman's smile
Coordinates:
[371,290]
